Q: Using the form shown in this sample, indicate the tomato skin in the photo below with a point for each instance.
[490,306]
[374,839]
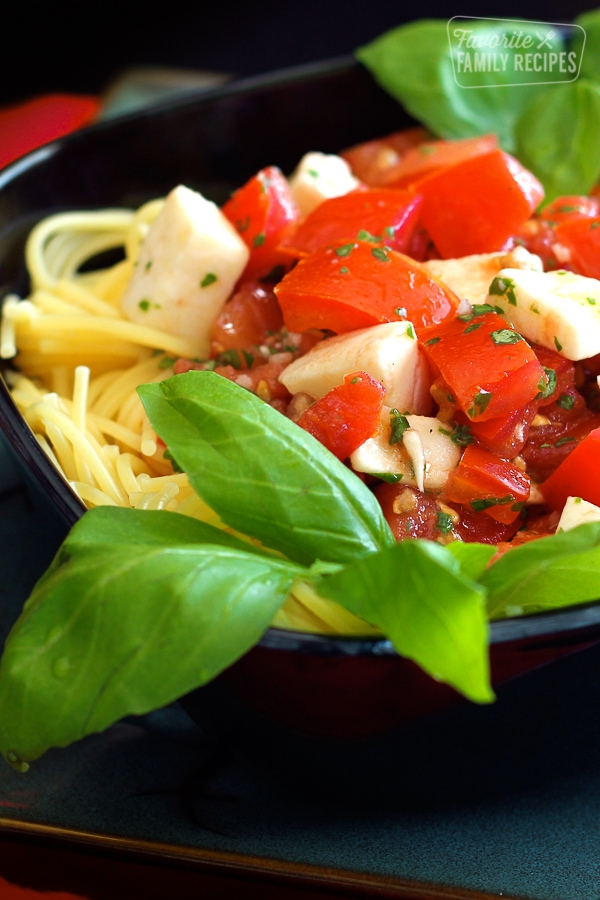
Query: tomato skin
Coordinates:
[562,367]
[549,445]
[478,204]
[373,162]
[581,236]
[261,211]
[570,206]
[432,156]
[246,319]
[477,526]
[347,415]
[391,215]
[577,475]
[482,477]
[487,377]
[356,285]
[503,435]
[408,512]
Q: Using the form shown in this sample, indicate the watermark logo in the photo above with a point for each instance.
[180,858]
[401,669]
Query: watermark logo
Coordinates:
[509,52]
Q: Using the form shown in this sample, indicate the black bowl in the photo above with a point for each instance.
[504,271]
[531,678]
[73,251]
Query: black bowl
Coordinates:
[339,690]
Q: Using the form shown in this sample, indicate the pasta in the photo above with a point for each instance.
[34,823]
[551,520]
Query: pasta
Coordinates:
[79,364]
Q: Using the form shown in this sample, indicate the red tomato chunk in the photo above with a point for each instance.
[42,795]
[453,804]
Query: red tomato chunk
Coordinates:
[358,284]
[486,483]
[489,369]
[347,415]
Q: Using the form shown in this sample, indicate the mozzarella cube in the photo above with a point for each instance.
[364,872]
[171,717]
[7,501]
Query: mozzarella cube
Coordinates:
[427,467]
[470,276]
[388,352]
[577,511]
[188,265]
[559,310]
[318,177]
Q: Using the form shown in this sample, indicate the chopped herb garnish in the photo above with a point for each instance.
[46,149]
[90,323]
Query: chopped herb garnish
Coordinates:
[546,389]
[144,305]
[389,477]
[344,250]
[166,362]
[410,331]
[243,224]
[433,341]
[148,265]
[313,173]
[461,436]
[356,379]
[208,279]
[230,357]
[443,522]
[380,254]
[591,301]
[473,327]
[367,236]
[565,440]
[344,270]
[480,403]
[258,239]
[503,287]
[505,336]
[566,401]
[486,503]
[398,425]
[557,344]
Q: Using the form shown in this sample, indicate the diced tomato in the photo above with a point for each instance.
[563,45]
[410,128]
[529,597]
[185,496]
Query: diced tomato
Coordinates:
[410,513]
[431,156]
[489,369]
[347,415]
[548,445]
[373,161]
[476,205]
[359,284]
[389,216]
[477,526]
[486,483]
[581,237]
[248,317]
[570,207]
[262,211]
[563,369]
[577,475]
[503,435]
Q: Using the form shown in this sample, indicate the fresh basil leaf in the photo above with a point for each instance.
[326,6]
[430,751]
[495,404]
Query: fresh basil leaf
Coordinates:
[556,571]
[558,137]
[434,615]
[119,627]
[261,473]
[472,557]
[414,64]
[588,44]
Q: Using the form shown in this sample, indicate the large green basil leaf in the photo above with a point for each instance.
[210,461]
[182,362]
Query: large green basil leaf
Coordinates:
[126,623]
[414,64]
[433,614]
[558,138]
[552,572]
[261,473]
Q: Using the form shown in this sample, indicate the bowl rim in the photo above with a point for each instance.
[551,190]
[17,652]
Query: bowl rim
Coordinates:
[582,620]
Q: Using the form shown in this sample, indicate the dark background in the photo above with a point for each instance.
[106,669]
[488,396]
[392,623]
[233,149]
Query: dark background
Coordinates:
[84,50]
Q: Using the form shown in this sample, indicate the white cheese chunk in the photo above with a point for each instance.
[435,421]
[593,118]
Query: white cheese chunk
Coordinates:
[470,276]
[425,463]
[577,511]
[388,352]
[559,309]
[318,177]
[188,265]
